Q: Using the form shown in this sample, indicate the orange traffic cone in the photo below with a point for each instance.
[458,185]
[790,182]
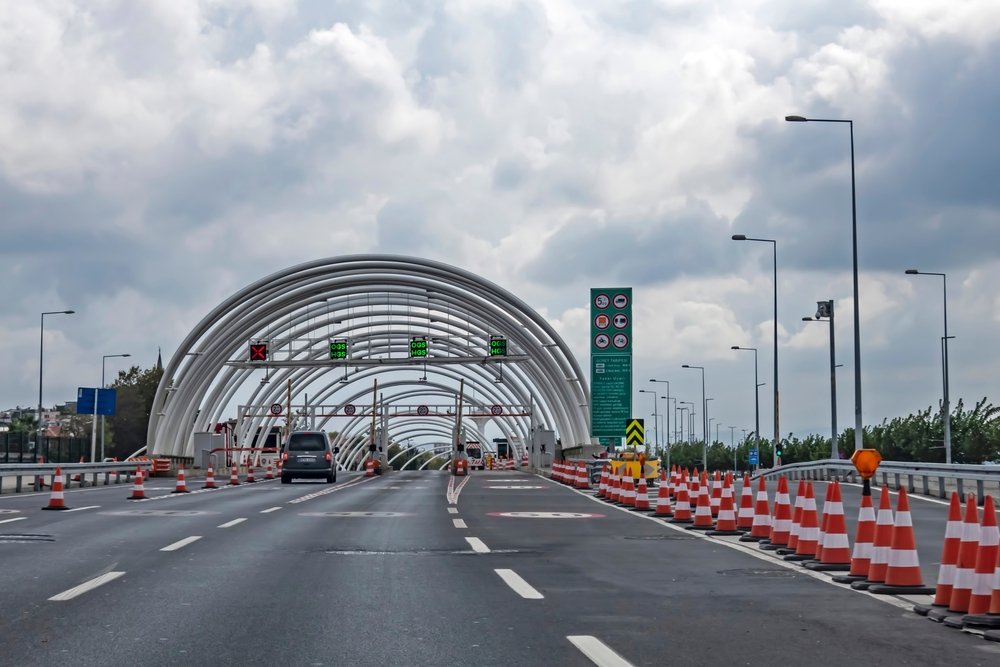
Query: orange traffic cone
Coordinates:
[270,472]
[682,503]
[883,542]
[726,523]
[965,567]
[181,483]
[663,501]
[864,542]
[78,477]
[56,500]
[836,545]
[602,486]
[614,487]
[744,518]
[793,533]
[250,478]
[702,511]
[716,499]
[808,529]
[628,492]
[760,529]
[949,558]
[642,496]
[234,477]
[903,574]
[781,524]
[138,488]
[984,606]
[209,479]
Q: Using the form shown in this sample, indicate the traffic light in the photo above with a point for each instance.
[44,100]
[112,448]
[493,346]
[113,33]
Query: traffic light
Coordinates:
[498,346]
[777,450]
[418,346]
[258,351]
[338,348]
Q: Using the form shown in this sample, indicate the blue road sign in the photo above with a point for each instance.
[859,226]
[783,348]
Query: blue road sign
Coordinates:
[754,457]
[106,401]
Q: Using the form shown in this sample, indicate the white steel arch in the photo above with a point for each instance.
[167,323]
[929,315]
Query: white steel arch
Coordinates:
[377,302]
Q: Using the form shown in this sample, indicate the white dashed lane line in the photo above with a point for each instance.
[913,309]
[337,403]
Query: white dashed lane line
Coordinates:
[519,585]
[230,524]
[452,510]
[598,651]
[181,543]
[459,523]
[20,518]
[86,586]
[477,545]
[269,510]
[80,509]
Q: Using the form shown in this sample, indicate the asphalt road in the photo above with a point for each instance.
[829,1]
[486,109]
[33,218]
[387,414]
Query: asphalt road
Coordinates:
[387,571]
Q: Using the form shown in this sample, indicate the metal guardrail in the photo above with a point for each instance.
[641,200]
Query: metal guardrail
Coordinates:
[36,472]
[892,473]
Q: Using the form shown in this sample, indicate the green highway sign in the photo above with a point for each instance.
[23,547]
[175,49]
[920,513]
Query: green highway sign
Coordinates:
[610,361]
[418,346]
[338,348]
[498,346]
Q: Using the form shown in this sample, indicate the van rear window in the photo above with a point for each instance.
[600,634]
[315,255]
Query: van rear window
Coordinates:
[306,442]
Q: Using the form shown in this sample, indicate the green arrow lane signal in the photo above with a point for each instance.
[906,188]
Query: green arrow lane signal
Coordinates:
[498,346]
[338,348]
[418,346]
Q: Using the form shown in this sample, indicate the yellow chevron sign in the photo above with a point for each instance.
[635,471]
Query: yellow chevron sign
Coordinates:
[635,433]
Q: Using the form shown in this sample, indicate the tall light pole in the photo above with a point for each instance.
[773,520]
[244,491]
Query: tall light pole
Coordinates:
[104,359]
[690,425]
[945,402]
[859,433]
[704,415]
[756,393]
[41,358]
[655,415]
[732,443]
[666,411]
[682,421]
[824,310]
[777,427]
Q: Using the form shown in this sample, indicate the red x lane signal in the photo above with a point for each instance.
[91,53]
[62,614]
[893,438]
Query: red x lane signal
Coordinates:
[258,351]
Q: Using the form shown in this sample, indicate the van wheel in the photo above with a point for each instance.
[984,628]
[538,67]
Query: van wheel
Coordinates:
[286,479]
[331,478]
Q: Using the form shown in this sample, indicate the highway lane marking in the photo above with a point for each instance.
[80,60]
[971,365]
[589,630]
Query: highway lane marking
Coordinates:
[10,511]
[909,494]
[179,544]
[230,524]
[85,586]
[20,518]
[269,510]
[459,523]
[519,585]
[80,509]
[477,545]
[511,487]
[332,489]
[598,652]
[742,546]
[454,491]
[452,510]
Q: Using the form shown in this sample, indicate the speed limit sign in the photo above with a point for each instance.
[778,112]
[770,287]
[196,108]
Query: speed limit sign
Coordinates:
[276,409]
[496,410]
[349,409]
[422,410]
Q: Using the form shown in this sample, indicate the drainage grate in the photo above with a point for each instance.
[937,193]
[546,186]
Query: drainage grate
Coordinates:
[21,538]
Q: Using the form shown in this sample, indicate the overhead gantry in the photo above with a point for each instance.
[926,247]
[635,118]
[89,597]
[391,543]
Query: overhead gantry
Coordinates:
[373,309]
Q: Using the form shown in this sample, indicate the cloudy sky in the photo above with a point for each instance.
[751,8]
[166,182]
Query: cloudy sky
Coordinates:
[156,156]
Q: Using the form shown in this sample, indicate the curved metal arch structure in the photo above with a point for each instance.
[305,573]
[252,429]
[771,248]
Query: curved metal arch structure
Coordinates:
[378,303]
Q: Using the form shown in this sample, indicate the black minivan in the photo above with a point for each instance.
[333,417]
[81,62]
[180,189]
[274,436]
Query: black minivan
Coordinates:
[308,454]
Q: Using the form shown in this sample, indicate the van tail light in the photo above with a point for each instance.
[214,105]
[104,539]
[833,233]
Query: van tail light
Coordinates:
[284,456]
[329,456]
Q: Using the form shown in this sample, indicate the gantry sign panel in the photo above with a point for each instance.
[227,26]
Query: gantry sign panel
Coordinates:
[610,361]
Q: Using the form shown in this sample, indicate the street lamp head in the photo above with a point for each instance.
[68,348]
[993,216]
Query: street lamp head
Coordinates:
[739,237]
[685,366]
[735,347]
[126,355]
[911,272]
[796,119]
[807,319]
[68,312]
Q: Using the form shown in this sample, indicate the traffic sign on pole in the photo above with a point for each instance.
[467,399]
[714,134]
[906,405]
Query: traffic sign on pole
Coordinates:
[610,361]
[635,433]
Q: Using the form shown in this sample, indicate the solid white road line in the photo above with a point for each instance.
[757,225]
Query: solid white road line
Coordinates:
[78,509]
[452,510]
[459,523]
[477,545]
[598,651]
[269,510]
[86,586]
[181,543]
[230,524]
[520,586]
[20,518]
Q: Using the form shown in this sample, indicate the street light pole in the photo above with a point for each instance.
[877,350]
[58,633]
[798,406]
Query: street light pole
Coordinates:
[656,417]
[777,427]
[704,416]
[41,358]
[690,424]
[667,411]
[104,359]
[945,402]
[732,443]
[756,393]
[859,433]
[824,310]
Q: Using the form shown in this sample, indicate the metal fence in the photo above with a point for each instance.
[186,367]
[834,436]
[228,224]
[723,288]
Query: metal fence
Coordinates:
[20,447]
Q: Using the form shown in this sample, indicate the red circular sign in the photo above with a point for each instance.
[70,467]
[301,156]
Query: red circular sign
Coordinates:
[422,410]
[602,321]
[349,409]
[496,410]
[601,341]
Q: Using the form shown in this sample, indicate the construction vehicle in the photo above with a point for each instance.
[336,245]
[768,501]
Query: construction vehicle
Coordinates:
[474,450]
[629,462]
